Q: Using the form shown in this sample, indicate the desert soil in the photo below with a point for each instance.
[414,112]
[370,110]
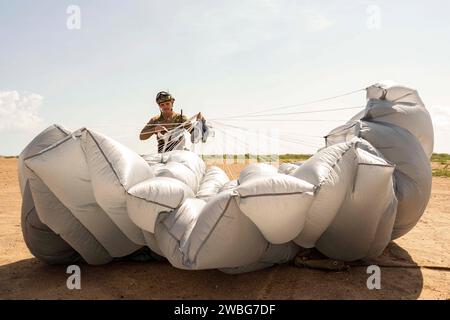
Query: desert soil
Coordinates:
[425,251]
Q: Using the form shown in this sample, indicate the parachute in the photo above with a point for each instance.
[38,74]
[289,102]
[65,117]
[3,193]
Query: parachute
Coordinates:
[89,198]
[174,139]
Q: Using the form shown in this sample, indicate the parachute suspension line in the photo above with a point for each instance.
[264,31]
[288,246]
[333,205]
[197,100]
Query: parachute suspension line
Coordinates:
[264,158]
[302,104]
[282,139]
[182,124]
[243,143]
[237,138]
[171,123]
[104,125]
[173,129]
[290,113]
[168,144]
[290,140]
[169,134]
[226,118]
[241,128]
[295,137]
[246,145]
[294,141]
[289,120]
[256,114]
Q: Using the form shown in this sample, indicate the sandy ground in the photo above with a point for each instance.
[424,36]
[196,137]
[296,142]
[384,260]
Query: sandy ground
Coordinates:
[425,250]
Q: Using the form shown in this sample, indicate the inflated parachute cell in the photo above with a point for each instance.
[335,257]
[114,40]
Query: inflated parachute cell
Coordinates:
[87,197]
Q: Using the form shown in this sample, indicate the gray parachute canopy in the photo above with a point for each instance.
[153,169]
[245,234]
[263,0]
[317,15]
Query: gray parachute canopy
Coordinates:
[87,197]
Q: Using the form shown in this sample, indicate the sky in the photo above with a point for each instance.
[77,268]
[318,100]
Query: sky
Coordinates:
[99,64]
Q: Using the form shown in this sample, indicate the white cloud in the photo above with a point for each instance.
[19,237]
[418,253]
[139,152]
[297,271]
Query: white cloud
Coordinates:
[440,116]
[19,110]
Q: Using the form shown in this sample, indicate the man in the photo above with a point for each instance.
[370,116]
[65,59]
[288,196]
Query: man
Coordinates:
[166,121]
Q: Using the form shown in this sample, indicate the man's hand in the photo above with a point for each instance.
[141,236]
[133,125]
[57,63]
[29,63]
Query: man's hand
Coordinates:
[160,129]
[200,116]
[150,129]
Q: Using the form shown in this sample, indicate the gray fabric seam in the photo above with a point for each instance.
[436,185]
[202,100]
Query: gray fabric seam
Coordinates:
[117,177]
[60,129]
[214,227]
[379,221]
[66,135]
[377,165]
[350,146]
[57,144]
[34,227]
[154,202]
[178,217]
[273,194]
[93,236]
[106,159]
[343,129]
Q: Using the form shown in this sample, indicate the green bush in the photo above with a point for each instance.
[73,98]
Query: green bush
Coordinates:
[442,172]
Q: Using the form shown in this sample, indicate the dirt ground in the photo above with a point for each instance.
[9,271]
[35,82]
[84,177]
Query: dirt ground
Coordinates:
[425,251]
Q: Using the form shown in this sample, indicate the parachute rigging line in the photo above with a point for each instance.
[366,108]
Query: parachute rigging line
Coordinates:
[283,139]
[246,145]
[302,104]
[291,113]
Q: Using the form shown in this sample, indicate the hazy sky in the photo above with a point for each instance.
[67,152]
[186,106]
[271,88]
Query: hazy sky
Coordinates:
[222,58]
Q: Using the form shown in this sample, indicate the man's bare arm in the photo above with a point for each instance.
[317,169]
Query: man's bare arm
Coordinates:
[148,131]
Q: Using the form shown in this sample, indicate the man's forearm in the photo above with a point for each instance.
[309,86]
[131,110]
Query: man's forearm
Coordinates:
[146,133]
